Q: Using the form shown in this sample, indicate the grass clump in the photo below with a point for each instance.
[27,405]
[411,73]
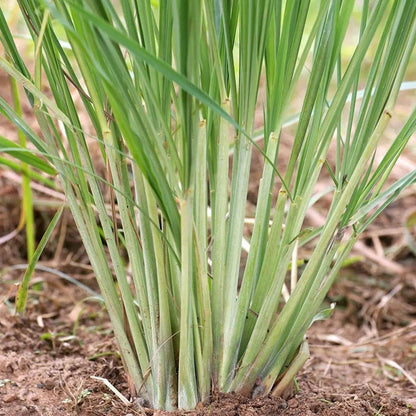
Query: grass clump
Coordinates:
[171,89]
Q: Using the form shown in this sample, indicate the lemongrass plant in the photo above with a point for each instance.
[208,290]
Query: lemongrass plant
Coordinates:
[171,88]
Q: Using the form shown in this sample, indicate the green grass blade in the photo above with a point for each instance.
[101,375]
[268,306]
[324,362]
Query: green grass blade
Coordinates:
[24,286]
[25,155]
[142,55]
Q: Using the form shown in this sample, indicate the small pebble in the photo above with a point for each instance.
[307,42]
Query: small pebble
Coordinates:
[10,398]
[293,403]
[49,384]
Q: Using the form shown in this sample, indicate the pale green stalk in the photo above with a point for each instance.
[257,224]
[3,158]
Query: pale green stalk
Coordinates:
[219,196]
[27,217]
[204,312]
[187,388]
[234,331]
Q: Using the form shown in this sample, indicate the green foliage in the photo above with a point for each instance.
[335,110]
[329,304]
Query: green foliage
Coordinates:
[24,286]
[170,90]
